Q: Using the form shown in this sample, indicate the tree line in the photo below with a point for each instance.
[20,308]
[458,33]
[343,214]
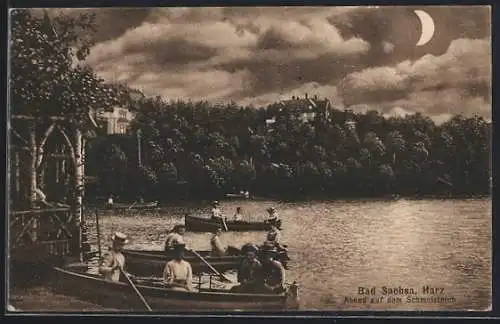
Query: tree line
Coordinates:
[200,150]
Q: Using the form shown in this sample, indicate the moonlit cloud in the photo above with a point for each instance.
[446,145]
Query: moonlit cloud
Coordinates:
[360,58]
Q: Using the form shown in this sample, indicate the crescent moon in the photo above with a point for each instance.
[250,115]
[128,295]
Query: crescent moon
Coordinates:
[427,27]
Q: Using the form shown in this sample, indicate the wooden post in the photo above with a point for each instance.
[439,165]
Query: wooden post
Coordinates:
[139,161]
[17,174]
[33,180]
[33,175]
[79,187]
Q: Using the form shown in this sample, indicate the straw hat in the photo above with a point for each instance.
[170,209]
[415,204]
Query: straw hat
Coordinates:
[119,237]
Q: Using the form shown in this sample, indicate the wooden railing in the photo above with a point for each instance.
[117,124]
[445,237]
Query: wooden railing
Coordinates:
[42,233]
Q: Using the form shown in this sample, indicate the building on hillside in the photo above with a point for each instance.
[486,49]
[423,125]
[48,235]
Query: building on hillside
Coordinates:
[304,109]
[116,121]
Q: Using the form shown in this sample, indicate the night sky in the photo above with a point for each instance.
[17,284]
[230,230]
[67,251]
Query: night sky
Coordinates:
[359,57]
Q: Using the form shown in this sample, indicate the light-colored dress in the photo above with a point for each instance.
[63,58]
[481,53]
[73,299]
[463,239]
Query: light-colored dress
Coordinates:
[178,272]
[216,212]
[110,260]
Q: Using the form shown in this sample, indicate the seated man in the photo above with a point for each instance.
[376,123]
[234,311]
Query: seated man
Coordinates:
[178,273]
[176,236]
[273,272]
[273,237]
[250,271]
[217,248]
[273,217]
[216,213]
[114,259]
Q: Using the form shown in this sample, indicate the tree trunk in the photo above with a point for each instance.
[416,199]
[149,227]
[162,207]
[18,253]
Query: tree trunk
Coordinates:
[33,182]
[79,186]
[33,173]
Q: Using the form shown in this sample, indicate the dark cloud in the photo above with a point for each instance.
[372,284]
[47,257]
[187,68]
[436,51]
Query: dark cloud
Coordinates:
[359,57]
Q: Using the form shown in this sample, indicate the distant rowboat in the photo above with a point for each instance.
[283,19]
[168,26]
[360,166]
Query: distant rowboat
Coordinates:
[205,224]
[129,206]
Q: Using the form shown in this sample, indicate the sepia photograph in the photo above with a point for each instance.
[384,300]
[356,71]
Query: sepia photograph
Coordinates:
[261,159]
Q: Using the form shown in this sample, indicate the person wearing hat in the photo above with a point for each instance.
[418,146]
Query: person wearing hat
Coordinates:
[250,271]
[114,259]
[273,216]
[178,273]
[216,213]
[273,272]
[176,236]
[217,248]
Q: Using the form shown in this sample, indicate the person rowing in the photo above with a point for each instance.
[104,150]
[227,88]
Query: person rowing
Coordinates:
[273,236]
[178,273]
[217,248]
[216,212]
[250,271]
[176,236]
[273,272]
[273,217]
[114,259]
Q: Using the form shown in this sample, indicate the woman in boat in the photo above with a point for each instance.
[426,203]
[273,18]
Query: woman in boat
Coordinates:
[238,216]
[176,236]
[114,259]
[273,272]
[250,271]
[217,248]
[178,273]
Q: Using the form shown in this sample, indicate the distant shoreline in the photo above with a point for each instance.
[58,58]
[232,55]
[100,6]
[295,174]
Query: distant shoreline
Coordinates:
[312,198]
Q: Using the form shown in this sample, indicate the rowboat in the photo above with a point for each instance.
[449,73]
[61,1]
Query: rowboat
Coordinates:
[134,206]
[237,196]
[151,262]
[205,224]
[77,282]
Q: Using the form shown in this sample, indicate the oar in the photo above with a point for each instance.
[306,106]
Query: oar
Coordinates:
[131,283]
[224,223]
[211,268]
[132,205]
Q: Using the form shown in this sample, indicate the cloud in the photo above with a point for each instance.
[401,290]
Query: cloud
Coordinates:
[251,53]
[360,57]
[457,81]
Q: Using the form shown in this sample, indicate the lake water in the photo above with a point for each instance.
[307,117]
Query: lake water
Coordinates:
[337,247]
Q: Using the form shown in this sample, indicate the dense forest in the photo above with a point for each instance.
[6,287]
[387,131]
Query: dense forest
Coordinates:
[199,150]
